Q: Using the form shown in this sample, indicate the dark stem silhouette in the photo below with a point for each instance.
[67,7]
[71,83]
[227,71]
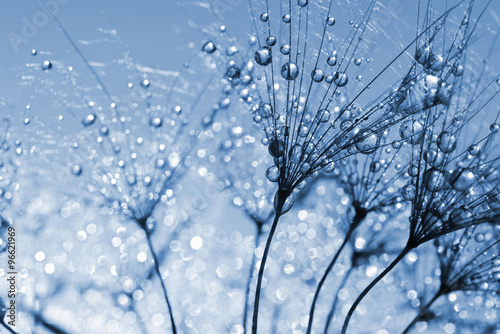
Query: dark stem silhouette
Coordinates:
[403,253]
[424,310]
[358,218]
[281,198]
[247,291]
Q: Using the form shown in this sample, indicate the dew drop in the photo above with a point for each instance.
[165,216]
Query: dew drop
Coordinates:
[287,205]
[332,61]
[340,79]
[289,71]
[317,75]
[276,148]
[464,179]
[271,41]
[76,170]
[433,179]
[494,128]
[209,47]
[46,65]
[296,153]
[412,130]
[273,173]
[447,142]
[408,192]
[89,120]
[263,56]
[286,18]
[368,142]
[302,3]
[264,17]
[145,83]
[155,122]
[330,21]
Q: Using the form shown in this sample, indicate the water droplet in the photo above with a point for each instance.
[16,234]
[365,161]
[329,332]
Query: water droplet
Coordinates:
[296,153]
[412,131]
[285,49]
[46,65]
[265,110]
[155,122]
[357,61]
[209,47]
[302,3]
[89,120]
[263,56]
[330,21]
[104,130]
[276,148]
[289,71]
[433,179]
[264,17]
[447,142]
[271,41]
[340,79]
[287,205]
[457,70]
[286,18]
[233,72]
[145,83]
[332,61]
[494,127]
[408,192]
[273,173]
[323,116]
[463,179]
[317,75]
[474,149]
[345,125]
[368,142]
[76,170]
[34,52]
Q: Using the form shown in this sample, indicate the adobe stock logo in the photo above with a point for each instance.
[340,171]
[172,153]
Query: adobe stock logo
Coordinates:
[31,26]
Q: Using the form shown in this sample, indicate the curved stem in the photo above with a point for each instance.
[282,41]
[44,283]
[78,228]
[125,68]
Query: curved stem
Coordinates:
[247,292]
[8,328]
[325,275]
[335,300]
[157,268]
[279,206]
[372,284]
[51,327]
[423,310]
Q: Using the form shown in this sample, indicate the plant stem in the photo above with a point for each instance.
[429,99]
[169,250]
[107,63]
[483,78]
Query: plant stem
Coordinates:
[325,275]
[279,206]
[247,292]
[423,311]
[8,328]
[51,327]
[157,268]
[335,300]
[372,284]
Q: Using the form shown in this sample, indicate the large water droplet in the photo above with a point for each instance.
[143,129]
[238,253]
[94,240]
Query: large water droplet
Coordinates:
[412,131]
[276,148]
[209,47]
[408,192]
[263,56]
[463,179]
[317,75]
[289,71]
[296,153]
[368,142]
[447,142]
[273,173]
[433,179]
[340,79]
